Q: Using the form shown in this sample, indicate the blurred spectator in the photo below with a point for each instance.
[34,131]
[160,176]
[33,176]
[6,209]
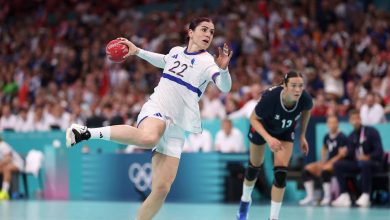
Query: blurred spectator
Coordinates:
[39,120]
[385,83]
[95,119]
[199,142]
[320,107]
[57,118]
[371,112]
[212,106]
[333,84]
[10,162]
[363,156]
[229,139]
[24,121]
[8,119]
[246,110]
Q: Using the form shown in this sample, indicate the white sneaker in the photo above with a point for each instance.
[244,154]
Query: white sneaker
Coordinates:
[306,201]
[75,134]
[325,201]
[364,200]
[342,201]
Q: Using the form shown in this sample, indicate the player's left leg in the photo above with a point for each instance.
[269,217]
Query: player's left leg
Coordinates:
[281,160]
[326,176]
[310,172]
[164,170]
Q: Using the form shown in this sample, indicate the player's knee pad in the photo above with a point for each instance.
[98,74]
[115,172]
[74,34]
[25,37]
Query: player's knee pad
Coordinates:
[306,176]
[280,175]
[326,175]
[252,172]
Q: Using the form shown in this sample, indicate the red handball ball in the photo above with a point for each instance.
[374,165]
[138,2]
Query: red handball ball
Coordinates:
[115,51]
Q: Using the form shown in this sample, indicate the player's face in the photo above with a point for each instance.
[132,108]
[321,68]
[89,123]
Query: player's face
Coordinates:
[333,124]
[202,35]
[355,121]
[294,88]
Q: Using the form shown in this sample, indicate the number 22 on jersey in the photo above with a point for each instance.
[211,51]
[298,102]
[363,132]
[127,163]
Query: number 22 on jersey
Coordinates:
[178,68]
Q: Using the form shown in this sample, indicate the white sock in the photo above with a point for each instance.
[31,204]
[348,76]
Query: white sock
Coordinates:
[365,195]
[275,209]
[5,187]
[101,133]
[246,193]
[309,187]
[326,188]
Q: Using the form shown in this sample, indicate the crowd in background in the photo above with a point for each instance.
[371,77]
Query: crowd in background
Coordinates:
[54,71]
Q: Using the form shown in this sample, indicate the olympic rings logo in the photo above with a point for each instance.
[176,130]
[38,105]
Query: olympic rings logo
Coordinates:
[141,176]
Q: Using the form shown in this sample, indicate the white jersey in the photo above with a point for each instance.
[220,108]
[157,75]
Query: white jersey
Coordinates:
[183,82]
[16,159]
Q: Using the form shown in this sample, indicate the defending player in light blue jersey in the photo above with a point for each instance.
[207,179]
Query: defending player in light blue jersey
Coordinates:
[171,110]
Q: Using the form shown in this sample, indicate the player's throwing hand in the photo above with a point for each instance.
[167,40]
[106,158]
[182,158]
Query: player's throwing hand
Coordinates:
[133,50]
[224,56]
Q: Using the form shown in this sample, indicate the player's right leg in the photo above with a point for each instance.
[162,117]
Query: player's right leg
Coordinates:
[310,172]
[7,171]
[146,135]
[256,158]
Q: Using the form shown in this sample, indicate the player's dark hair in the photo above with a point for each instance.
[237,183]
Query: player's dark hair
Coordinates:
[353,112]
[291,74]
[332,116]
[195,23]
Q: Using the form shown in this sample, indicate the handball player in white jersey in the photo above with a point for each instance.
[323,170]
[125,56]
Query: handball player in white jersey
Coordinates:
[172,108]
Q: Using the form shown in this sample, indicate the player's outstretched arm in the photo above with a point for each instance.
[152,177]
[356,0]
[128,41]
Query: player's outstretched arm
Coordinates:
[223,80]
[274,144]
[155,59]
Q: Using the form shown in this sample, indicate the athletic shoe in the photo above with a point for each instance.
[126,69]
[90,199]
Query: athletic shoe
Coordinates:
[243,212]
[306,201]
[325,201]
[364,200]
[4,195]
[75,134]
[342,201]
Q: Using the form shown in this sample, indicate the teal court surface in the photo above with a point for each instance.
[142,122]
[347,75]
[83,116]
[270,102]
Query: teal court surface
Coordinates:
[87,210]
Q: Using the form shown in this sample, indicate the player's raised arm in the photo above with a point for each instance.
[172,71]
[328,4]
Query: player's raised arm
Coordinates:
[223,79]
[155,59]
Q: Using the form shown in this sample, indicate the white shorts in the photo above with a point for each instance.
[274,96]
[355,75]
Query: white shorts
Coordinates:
[172,141]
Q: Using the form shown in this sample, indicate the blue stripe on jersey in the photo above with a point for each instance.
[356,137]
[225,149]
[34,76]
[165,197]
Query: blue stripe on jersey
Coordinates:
[214,76]
[194,53]
[141,120]
[183,83]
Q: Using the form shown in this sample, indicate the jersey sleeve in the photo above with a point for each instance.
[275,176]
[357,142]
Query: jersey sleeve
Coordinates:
[324,140]
[156,59]
[263,107]
[5,148]
[307,101]
[221,78]
[343,140]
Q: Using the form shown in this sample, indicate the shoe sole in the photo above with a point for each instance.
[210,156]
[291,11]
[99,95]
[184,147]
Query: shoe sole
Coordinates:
[68,138]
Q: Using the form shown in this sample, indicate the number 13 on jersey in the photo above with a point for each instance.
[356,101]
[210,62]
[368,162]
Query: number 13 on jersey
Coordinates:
[286,123]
